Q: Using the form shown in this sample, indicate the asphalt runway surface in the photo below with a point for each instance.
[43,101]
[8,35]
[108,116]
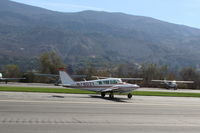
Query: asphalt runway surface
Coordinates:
[81,113]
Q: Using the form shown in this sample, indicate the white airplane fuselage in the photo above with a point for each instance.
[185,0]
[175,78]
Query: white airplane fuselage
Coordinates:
[103,86]
[171,84]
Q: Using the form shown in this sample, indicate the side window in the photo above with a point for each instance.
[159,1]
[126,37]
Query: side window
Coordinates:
[100,82]
[106,82]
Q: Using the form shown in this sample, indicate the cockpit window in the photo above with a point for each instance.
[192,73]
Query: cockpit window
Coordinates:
[113,82]
[119,81]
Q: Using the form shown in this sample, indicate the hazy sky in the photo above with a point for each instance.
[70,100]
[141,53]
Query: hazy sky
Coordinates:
[185,12]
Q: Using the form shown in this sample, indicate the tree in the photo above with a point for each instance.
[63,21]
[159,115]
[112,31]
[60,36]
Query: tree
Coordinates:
[70,69]
[12,71]
[91,71]
[50,62]
[153,71]
[191,74]
[188,74]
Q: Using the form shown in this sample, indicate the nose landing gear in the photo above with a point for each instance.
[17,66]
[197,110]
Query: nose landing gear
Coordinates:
[111,95]
[103,94]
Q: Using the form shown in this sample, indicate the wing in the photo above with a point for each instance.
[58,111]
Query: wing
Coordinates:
[132,78]
[7,79]
[100,77]
[158,80]
[117,90]
[46,75]
[186,82]
[111,89]
[121,88]
[54,75]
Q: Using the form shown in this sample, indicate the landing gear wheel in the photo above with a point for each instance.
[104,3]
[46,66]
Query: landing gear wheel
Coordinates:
[129,95]
[103,94]
[111,95]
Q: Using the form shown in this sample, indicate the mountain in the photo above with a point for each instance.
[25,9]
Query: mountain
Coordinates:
[27,31]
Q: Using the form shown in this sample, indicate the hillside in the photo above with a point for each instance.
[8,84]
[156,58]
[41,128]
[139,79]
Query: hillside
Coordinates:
[27,31]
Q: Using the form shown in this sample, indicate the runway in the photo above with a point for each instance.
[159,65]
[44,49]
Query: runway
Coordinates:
[74,113]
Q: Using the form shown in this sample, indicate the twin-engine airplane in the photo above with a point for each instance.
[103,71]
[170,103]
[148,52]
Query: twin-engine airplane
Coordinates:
[172,83]
[103,86]
[8,79]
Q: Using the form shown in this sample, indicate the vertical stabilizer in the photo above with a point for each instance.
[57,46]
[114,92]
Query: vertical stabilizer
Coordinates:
[65,78]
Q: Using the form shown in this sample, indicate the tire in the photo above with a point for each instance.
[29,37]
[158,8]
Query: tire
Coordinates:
[129,95]
[111,95]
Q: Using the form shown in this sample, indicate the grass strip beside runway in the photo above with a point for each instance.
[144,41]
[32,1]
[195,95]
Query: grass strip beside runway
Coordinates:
[44,90]
[169,94]
[77,91]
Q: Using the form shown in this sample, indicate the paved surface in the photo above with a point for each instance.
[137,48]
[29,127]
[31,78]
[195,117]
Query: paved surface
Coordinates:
[42,85]
[74,113]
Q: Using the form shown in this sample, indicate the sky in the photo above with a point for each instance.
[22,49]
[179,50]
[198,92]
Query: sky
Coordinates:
[186,12]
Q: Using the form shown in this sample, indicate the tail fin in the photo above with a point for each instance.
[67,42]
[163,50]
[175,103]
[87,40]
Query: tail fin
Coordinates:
[65,78]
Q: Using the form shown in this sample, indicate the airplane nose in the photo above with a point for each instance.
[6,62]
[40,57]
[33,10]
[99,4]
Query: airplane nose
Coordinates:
[137,86]
[134,86]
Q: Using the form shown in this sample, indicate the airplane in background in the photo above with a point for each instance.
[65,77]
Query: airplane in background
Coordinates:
[103,86]
[8,79]
[172,83]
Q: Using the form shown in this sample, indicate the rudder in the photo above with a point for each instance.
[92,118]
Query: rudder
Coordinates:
[65,78]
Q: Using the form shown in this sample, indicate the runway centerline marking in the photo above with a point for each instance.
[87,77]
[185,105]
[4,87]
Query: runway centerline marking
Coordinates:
[97,102]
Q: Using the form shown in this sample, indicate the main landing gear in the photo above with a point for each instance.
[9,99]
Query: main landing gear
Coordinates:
[175,88]
[129,95]
[111,95]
